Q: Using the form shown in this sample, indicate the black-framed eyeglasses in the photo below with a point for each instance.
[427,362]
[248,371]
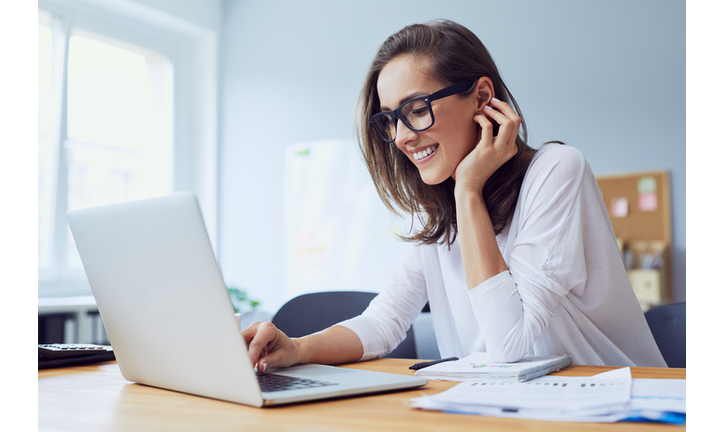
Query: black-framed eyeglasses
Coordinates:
[415,113]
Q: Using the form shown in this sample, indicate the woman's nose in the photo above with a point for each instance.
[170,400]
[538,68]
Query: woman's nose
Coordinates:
[403,134]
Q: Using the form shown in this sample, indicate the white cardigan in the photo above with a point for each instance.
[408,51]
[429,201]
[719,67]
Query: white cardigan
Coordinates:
[566,291]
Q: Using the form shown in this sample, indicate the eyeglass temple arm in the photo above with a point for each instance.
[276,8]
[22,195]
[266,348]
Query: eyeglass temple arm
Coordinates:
[453,89]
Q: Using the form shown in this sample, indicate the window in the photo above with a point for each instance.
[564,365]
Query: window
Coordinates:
[45,137]
[110,125]
[115,143]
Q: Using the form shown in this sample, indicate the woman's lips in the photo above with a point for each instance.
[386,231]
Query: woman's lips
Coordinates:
[425,154]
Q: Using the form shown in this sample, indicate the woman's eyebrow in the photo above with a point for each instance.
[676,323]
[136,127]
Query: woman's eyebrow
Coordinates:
[405,99]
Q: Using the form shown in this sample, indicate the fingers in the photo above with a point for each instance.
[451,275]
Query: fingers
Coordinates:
[260,339]
[485,134]
[276,358]
[269,347]
[508,120]
[249,332]
[504,108]
[490,152]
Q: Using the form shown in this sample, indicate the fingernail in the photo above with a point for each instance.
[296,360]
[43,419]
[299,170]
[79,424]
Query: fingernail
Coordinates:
[263,365]
[488,107]
[496,100]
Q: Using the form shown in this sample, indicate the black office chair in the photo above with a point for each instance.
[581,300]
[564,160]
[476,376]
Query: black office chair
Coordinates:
[668,325]
[309,313]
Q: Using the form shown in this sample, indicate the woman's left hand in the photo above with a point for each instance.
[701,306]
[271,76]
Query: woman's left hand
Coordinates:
[490,153]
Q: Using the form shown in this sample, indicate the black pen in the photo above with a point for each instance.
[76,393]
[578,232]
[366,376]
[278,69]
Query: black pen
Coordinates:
[417,366]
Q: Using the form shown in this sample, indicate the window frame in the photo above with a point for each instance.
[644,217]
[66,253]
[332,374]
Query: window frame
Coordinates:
[193,50]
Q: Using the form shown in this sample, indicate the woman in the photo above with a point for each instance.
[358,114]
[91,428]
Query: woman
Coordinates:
[511,246]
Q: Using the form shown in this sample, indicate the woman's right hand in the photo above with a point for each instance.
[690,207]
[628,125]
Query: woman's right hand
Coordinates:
[491,152]
[269,347]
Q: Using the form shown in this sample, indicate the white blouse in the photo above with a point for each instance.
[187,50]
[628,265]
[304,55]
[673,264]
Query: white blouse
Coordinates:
[566,291]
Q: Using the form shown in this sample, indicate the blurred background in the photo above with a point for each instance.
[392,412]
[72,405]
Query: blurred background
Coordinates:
[250,104]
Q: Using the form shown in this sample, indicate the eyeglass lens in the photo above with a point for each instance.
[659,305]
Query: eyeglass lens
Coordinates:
[415,114]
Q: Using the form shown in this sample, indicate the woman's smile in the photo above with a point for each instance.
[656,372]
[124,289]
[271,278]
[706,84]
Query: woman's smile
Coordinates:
[425,154]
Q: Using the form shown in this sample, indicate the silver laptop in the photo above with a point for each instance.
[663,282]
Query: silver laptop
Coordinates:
[168,314]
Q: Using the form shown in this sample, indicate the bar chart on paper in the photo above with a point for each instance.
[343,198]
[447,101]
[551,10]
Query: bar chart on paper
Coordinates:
[608,397]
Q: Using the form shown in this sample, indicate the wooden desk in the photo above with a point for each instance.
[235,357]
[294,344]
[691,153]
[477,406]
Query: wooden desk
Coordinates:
[97,398]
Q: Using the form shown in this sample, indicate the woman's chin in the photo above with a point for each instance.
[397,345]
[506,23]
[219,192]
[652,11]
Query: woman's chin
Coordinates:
[432,179]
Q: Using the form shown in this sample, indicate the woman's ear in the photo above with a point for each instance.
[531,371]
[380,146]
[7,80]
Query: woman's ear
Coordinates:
[484,92]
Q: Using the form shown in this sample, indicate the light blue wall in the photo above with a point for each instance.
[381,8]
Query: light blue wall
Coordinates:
[206,13]
[607,77]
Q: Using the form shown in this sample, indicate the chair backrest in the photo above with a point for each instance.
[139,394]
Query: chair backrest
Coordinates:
[310,313]
[668,325]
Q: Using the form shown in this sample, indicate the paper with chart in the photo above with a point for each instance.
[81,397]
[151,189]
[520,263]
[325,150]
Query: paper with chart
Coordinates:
[659,394]
[608,397]
[545,393]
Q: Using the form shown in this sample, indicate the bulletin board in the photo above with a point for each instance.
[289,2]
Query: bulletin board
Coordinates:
[639,208]
[648,213]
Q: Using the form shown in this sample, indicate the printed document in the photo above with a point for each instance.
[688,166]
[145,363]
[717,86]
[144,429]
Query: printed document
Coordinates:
[609,397]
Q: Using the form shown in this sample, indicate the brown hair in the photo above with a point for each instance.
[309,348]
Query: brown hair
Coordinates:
[454,54]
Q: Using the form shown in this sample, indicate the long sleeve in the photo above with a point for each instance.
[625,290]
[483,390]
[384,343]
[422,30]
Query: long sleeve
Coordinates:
[545,261]
[384,324]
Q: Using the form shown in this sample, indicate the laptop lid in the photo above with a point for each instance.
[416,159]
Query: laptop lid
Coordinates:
[162,297]
[167,311]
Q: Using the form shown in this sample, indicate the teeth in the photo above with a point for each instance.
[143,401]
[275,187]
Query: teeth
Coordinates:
[421,154]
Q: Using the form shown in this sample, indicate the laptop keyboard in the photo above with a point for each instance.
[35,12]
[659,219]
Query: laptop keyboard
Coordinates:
[273,383]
